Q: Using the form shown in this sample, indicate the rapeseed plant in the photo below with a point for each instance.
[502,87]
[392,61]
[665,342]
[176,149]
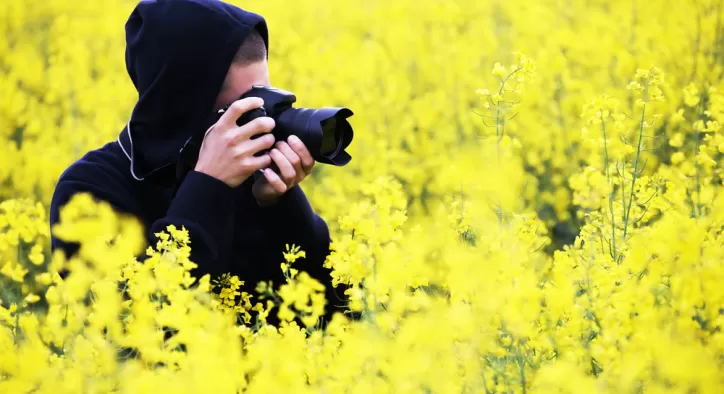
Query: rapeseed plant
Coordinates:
[534,206]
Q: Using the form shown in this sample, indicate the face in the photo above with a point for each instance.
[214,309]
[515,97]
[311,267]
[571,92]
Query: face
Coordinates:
[240,79]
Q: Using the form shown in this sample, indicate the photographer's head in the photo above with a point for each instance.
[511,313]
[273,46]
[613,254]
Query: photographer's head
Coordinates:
[179,56]
[248,68]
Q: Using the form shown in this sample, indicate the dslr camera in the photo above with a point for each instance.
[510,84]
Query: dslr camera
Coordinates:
[325,131]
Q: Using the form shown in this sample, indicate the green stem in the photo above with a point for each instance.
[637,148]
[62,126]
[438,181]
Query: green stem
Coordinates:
[499,127]
[497,121]
[16,331]
[498,209]
[521,365]
[485,383]
[605,150]
[698,180]
[619,258]
[610,185]
[636,162]
[502,85]
[696,161]
[499,133]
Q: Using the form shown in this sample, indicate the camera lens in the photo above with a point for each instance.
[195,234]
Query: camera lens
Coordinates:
[330,137]
[325,132]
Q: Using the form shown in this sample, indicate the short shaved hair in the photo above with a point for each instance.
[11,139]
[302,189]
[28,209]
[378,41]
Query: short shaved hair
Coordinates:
[252,50]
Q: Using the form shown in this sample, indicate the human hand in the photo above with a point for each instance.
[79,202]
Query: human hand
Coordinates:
[293,163]
[228,151]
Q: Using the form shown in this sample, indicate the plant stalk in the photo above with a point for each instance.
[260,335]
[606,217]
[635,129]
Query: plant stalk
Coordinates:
[636,162]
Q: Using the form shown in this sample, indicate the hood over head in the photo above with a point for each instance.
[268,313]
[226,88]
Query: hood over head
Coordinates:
[178,53]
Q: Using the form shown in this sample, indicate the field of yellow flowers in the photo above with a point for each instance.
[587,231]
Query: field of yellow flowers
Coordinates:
[535,204]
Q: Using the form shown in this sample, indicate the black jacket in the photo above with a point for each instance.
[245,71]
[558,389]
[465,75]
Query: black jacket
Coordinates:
[178,53]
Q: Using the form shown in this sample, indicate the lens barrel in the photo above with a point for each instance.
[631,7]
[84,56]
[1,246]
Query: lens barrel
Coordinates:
[325,132]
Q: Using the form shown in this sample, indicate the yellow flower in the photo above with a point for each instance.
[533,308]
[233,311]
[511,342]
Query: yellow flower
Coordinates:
[678,157]
[691,95]
[499,70]
[31,298]
[677,141]
[492,248]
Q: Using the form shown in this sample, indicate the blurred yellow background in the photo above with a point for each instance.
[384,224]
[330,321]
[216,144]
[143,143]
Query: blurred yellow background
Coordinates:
[534,200]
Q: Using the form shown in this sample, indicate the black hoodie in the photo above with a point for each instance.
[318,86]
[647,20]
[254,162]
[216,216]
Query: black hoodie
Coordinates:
[178,53]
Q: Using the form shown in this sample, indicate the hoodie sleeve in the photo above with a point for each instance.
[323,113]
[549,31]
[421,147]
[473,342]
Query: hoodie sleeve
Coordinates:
[292,221]
[201,205]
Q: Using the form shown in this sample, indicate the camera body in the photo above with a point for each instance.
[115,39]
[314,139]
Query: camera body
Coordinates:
[276,101]
[325,131]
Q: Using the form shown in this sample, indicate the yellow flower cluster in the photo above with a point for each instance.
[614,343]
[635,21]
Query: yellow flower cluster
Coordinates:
[535,205]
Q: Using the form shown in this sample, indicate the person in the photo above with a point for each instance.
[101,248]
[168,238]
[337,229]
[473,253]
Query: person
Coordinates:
[242,203]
